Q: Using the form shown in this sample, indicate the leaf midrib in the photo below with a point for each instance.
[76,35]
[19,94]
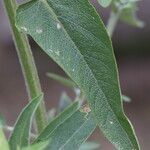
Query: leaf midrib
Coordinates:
[75,133]
[77,108]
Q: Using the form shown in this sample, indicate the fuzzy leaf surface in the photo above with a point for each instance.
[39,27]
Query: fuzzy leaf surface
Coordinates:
[68,130]
[20,134]
[73,35]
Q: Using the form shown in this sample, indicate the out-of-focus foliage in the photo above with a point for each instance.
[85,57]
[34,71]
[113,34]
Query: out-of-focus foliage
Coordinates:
[128,12]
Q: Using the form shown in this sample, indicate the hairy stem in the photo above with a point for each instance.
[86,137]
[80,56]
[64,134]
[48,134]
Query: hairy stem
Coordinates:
[112,22]
[27,64]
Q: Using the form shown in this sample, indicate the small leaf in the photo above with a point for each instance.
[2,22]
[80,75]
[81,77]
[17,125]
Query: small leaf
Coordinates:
[128,12]
[62,80]
[129,16]
[20,134]
[73,35]
[105,3]
[69,130]
[3,142]
[89,146]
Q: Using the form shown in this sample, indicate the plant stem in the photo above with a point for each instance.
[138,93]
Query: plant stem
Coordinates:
[112,22]
[27,64]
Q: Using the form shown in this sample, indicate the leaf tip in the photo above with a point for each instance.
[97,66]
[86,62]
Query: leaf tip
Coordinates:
[104,3]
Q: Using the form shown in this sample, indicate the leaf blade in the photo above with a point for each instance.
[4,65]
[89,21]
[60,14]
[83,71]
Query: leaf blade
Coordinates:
[58,120]
[20,134]
[69,132]
[128,12]
[37,146]
[62,80]
[129,16]
[3,142]
[104,3]
[85,52]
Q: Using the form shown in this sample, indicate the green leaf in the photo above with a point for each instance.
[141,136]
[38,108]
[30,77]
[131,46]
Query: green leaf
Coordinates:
[3,142]
[71,84]
[20,134]
[58,120]
[89,146]
[62,80]
[69,130]
[73,35]
[105,3]
[128,12]
[38,146]
[129,16]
